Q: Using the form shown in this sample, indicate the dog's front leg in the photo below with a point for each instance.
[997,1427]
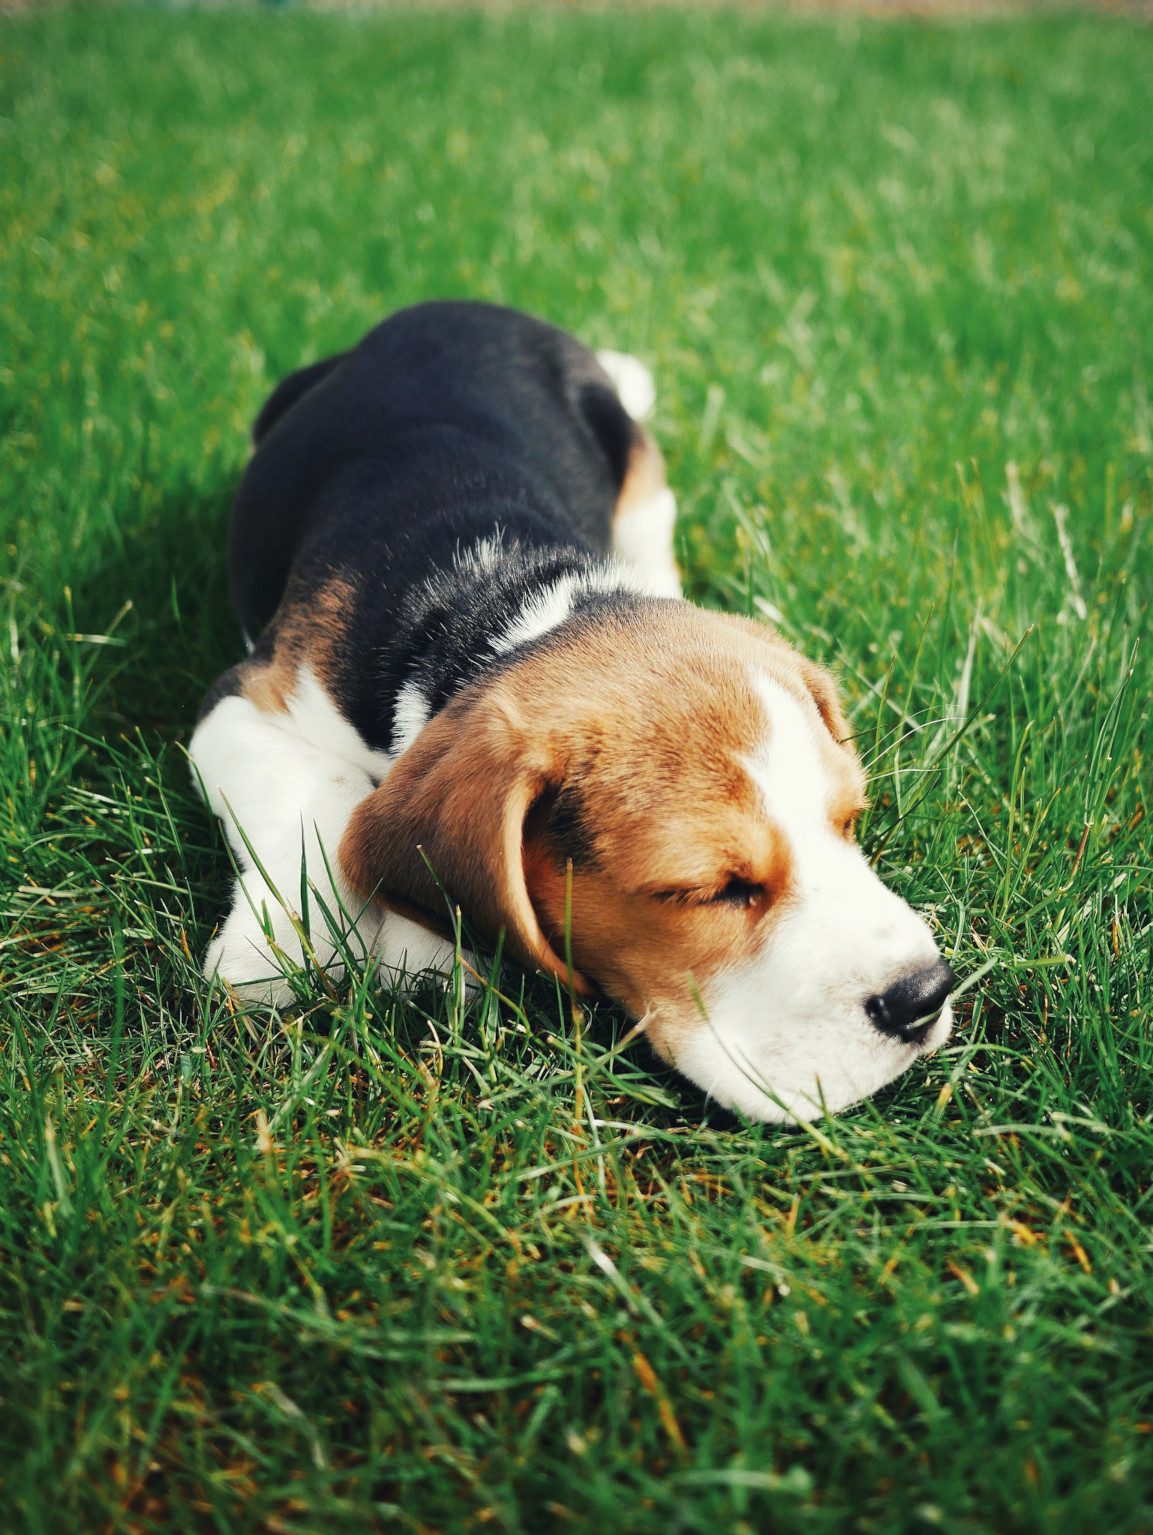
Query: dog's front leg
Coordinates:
[284,804]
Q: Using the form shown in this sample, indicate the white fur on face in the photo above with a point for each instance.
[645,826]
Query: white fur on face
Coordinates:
[290,782]
[786,1034]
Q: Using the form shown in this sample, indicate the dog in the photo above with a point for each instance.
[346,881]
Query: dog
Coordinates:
[473,687]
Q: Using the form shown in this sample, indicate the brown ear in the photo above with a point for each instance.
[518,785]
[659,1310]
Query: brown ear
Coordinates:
[824,690]
[457,801]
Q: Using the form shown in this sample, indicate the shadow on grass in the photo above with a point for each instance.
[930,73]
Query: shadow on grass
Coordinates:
[144,691]
[181,631]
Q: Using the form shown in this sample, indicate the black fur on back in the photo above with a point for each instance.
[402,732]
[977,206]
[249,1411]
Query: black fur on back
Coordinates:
[387,466]
[288,391]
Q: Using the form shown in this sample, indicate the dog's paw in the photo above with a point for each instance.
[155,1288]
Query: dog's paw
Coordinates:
[259,946]
[256,946]
[404,951]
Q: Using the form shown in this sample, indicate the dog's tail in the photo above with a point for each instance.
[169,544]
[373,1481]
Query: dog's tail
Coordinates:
[632,381]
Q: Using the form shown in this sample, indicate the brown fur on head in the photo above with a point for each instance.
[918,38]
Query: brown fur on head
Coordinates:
[621,747]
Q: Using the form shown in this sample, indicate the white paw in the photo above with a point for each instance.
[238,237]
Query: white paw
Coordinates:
[405,951]
[632,381]
[244,955]
[259,943]
[261,940]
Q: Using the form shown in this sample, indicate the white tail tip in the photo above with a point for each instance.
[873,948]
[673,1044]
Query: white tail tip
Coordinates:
[632,381]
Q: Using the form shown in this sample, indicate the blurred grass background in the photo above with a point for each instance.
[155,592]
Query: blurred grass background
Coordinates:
[383,1264]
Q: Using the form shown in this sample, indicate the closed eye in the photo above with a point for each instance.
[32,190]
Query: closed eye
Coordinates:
[735,892]
[738,892]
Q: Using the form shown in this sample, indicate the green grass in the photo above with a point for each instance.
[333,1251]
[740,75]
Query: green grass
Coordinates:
[428,1266]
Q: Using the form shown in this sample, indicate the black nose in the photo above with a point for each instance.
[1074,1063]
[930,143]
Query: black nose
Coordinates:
[910,1006]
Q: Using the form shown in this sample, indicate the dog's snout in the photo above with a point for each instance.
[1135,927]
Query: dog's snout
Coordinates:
[909,1007]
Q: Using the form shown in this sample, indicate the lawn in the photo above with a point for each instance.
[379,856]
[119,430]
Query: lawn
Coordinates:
[434,1264]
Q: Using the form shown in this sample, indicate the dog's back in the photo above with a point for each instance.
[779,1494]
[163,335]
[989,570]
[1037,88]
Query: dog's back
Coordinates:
[439,399]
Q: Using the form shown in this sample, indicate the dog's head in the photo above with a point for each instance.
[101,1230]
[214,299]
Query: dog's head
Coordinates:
[697,776]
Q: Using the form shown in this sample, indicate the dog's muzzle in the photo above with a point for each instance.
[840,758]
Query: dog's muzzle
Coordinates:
[910,1007]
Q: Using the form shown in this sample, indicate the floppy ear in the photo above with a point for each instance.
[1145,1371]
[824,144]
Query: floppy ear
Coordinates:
[457,800]
[824,690]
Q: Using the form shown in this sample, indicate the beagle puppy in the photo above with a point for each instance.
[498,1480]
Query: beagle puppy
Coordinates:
[473,684]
